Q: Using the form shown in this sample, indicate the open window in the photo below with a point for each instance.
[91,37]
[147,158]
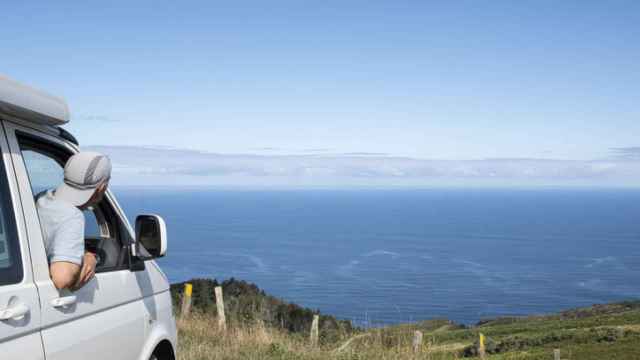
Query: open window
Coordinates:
[104,231]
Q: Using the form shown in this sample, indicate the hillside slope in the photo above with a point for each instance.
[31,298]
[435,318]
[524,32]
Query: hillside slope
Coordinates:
[263,327]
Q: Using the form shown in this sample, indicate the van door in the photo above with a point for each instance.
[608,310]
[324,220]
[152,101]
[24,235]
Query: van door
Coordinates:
[106,318]
[19,304]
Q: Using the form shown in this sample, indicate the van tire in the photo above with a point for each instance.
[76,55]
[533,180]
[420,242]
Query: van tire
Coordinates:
[163,351]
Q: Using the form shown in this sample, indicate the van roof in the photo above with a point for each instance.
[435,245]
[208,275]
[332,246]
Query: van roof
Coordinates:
[30,104]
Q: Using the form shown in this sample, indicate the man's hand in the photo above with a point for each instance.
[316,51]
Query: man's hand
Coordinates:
[88,270]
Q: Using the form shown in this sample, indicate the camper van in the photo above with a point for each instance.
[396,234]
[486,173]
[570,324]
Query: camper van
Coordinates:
[125,311]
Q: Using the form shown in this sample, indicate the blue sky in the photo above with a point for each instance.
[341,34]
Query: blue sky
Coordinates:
[375,82]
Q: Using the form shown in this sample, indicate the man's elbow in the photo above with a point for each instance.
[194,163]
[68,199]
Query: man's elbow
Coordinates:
[62,281]
[64,275]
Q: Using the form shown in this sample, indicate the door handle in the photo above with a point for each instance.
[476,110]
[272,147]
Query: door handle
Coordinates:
[64,302]
[16,312]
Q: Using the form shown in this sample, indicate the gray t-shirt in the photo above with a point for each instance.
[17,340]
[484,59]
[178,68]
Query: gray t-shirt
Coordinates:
[63,229]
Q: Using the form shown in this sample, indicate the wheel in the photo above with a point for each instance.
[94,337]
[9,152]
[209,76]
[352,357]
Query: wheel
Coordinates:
[163,351]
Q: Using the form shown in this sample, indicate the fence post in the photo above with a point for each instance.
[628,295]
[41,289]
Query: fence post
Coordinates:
[186,299]
[314,330]
[481,349]
[417,341]
[222,320]
[556,354]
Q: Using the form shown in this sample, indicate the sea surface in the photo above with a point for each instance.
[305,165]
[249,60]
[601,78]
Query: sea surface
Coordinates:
[383,257]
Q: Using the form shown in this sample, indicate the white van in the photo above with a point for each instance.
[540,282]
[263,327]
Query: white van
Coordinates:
[125,311]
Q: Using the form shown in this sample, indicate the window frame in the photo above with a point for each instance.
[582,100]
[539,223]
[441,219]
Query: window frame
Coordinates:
[15,273]
[116,229]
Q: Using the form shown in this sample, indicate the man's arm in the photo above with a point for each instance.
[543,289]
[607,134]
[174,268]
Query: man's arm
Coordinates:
[67,275]
[64,274]
[67,253]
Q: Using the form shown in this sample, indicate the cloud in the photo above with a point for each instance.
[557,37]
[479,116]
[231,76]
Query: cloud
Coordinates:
[267,148]
[94,118]
[176,165]
[627,153]
[316,150]
[283,150]
[365,154]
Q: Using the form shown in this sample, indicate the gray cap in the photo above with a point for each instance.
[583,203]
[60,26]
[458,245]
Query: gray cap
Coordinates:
[83,173]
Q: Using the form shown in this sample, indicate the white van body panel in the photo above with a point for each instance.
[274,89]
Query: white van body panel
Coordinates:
[161,324]
[112,334]
[20,338]
[26,346]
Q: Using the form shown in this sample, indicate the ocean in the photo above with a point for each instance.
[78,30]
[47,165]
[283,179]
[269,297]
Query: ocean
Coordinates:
[380,257]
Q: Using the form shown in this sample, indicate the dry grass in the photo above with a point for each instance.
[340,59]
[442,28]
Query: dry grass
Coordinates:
[591,336]
[200,339]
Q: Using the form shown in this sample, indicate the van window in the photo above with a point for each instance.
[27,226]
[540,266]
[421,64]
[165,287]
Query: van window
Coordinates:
[44,172]
[10,258]
[104,231]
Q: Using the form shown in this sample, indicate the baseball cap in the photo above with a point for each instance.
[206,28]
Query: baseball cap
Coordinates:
[83,173]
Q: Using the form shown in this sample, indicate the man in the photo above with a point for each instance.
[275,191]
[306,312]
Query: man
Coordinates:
[86,177]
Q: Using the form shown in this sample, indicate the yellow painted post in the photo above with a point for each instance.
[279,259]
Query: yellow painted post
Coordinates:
[482,349]
[186,299]
[556,354]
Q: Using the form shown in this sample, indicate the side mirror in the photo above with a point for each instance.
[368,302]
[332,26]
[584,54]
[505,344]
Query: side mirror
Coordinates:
[151,237]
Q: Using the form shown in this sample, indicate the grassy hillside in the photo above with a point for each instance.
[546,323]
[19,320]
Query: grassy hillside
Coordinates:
[258,331]
[247,305]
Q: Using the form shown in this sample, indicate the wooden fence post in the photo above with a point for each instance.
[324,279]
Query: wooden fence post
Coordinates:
[314,330]
[481,349]
[186,299]
[222,320]
[556,354]
[417,341]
